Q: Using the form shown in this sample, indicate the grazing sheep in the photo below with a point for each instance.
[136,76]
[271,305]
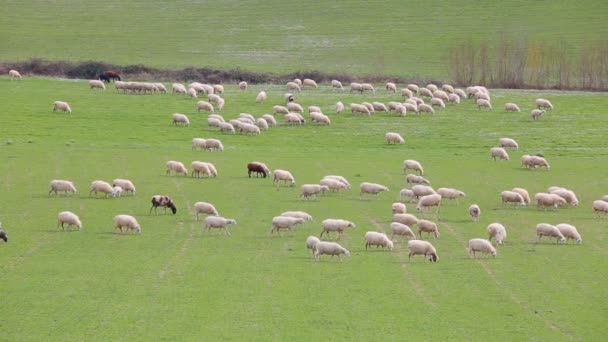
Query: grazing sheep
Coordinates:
[279,110]
[70,218]
[395,138]
[284,222]
[453,98]
[97,84]
[309,82]
[378,239]
[460,93]
[425,92]
[309,190]
[311,243]
[545,229]
[192,93]
[401,110]
[481,245]
[335,225]
[415,179]
[483,103]
[219,223]
[295,107]
[422,190]
[339,178]
[498,232]
[213,122]
[605,198]
[333,184]
[289,97]
[415,100]
[406,93]
[512,107]
[125,184]
[15,74]
[163,202]
[180,118]
[425,108]
[420,247]
[126,221]
[482,96]
[204,105]
[499,152]
[220,104]
[428,227]
[58,185]
[319,118]
[508,142]
[406,194]
[600,207]
[413,87]
[537,113]
[213,145]
[544,200]
[258,168]
[380,107]
[512,197]
[100,186]
[298,214]
[566,194]
[243,86]
[176,88]
[176,167]
[449,193]
[367,87]
[569,232]
[407,219]
[402,230]
[542,103]
[261,123]
[432,87]
[391,87]
[337,84]
[248,128]
[198,143]
[262,96]
[429,201]
[524,194]
[329,248]
[398,208]
[218,88]
[371,188]
[62,106]
[199,168]
[448,88]
[437,102]
[339,107]
[283,175]
[292,86]
[205,208]
[294,118]
[440,95]
[474,212]
[3,235]
[413,165]
[270,120]
[359,108]
[298,81]
[214,98]
[314,109]
[537,161]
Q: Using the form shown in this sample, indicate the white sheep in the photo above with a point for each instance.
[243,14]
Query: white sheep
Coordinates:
[283,175]
[380,107]
[391,87]
[295,107]
[605,198]
[70,218]
[337,84]
[411,107]
[392,137]
[413,87]
[429,201]
[214,98]
[270,120]
[262,96]
[600,207]
[542,103]
[545,229]
[428,227]
[62,106]
[198,143]
[420,247]
[415,179]
[279,110]
[180,118]
[398,208]
[461,93]
[378,239]
[199,168]
[410,164]
[448,88]
[126,185]
[309,82]
[309,190]
[401,110]
[369,106]
[508,142]
[512,197]
[192,93]
[247,128]
[422,190]
[524,194]
[450,193]
[178,88]
[454,98]
[311,243]
[293,86]
[285,222]
[482,96]
[97,84]
[14,74]
[339,178]
[213,122]
[406,194]
[333,184]
[339,107]
[569,232]
[435,101]
[294,118]
[289,97]
[204,105]
[474,212]
[499,152]
[220,104]
[319,118]
[481,245]
[512,107]
[425,92]
[545,200]
[218,88]
[176,167]
[329,248]
[566,194]
[261,123]
[100,186]
[58,185]
[335,225]
[536,161]
[497,232]
[402,230]
[407,219]
[298,81]
[483,103]
[432,87]
[298,214]
[371,188]
[359,108]
[213,145]
[367,87]
[218,222]
[126,221]
[537,113]
[243,85]
[425,108]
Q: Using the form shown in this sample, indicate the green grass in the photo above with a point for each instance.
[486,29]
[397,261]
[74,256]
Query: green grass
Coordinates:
[176,282]
[405,38]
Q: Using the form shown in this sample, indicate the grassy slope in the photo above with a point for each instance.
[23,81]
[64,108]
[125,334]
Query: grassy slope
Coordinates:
[357,37]
[174,281]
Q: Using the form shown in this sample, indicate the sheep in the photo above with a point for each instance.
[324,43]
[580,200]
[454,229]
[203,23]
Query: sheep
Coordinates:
[380,107]
[178,88]
[449,193]
[213,145]
[270,120]
[566,194]
[292,86]
[524,194]
[335,225]
[482,96]
[218,88]
[367,87]
[512,197]
[407,219]
[204,105]
[420,247]
[537,161]
[329,248]
[413,87]
[605,198]
[261,123]
[392,137]
[499,152]
[284,222]
[97,84]
[401,110]
[214,98]
[219,223]
[337,84]
[298,81]
[62,106]
[545,229]
[339,107]
[437,102]
[448,88]
[425,92]
[176,167]
[309,190]
[428,227]
[398,208]
[279,110]
[320,118]
[600,207]
[544,200]
[295,107]
[378,239]
[481,245]
[311,243]
[309,82]
[358,108]
[262,96]
[512,107]
[126,221]
[198,143]
[247,128]
[283,175]
[15,74]
[70,218]
[371,188]
[369,106]
[213,122]
[428,201]
[415,179]
[460,93]
[294,118]
[406,194]
[425,108]
[391,87]
[401,229]
[243,86]
[333,184]
[220,104]
[100,186]
[542,103]
[537,113]
[410,164]
[483,103]
[199,168]
[508,142]
[180,118]
[125,184]
[415,100]
[116,191]
[497,232]
[474,212]
[422,190]
[432,87]
[192,93]
[569,232]
[298,214]
[441,95]
[58,185]
[3,235]
[453,98]
[258,168]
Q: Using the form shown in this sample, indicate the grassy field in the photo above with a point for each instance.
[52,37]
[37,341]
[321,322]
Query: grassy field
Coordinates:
[176,282]
[405,38]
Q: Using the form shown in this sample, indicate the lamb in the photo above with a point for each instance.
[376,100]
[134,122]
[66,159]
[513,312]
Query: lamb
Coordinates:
[508,142]
[449,193]
[544,200]
[407,219]
[14,74]
[474,212]
[199,168]
[262,96]
[378,239]
[176,167]
[97,84]
[600,207]
[180,118]
[243,86]
[58,185]
[401,229]
[283,175]
[483,103]
[481,245]
[333,184]
[70,218]
[569,232]
[428,201]
[204,105]
[270,120]
[339,107]
[566,194]
[415,179]
[218,88]
[62,106]
[100,186]
[298,214]
[292,86]
[512,107]
[219,223]
[309,190]
[413,165]
[545,229]
[213,145]
[512,197]
[499,152]
[398,208]
[309,82]
[425,108]
[178,88]
[422,190]
[284,222]
[406,194]
[406,93]
[537,113]
[498,232]
[420,247]
[524,194]
[116,191]
[542,103]
[329,248]
[453,98]
[392,137]
[437,102]
[428,227]
[371,188]
[311,243]
[295,107]
[335,225]
[337,84]
[126,221]
[391,87]
[358,108]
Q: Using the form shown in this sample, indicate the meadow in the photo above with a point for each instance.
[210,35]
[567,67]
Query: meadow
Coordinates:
[177,282]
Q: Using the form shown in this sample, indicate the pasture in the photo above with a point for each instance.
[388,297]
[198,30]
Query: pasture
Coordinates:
[176,281]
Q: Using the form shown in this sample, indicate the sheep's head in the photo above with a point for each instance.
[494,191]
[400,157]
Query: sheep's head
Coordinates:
[231,221]
[351,225]
[434,257]
[138,230]
[346,252]
[3,235]
[171,205]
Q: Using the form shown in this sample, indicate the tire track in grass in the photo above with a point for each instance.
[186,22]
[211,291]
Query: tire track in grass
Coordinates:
[524,305]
